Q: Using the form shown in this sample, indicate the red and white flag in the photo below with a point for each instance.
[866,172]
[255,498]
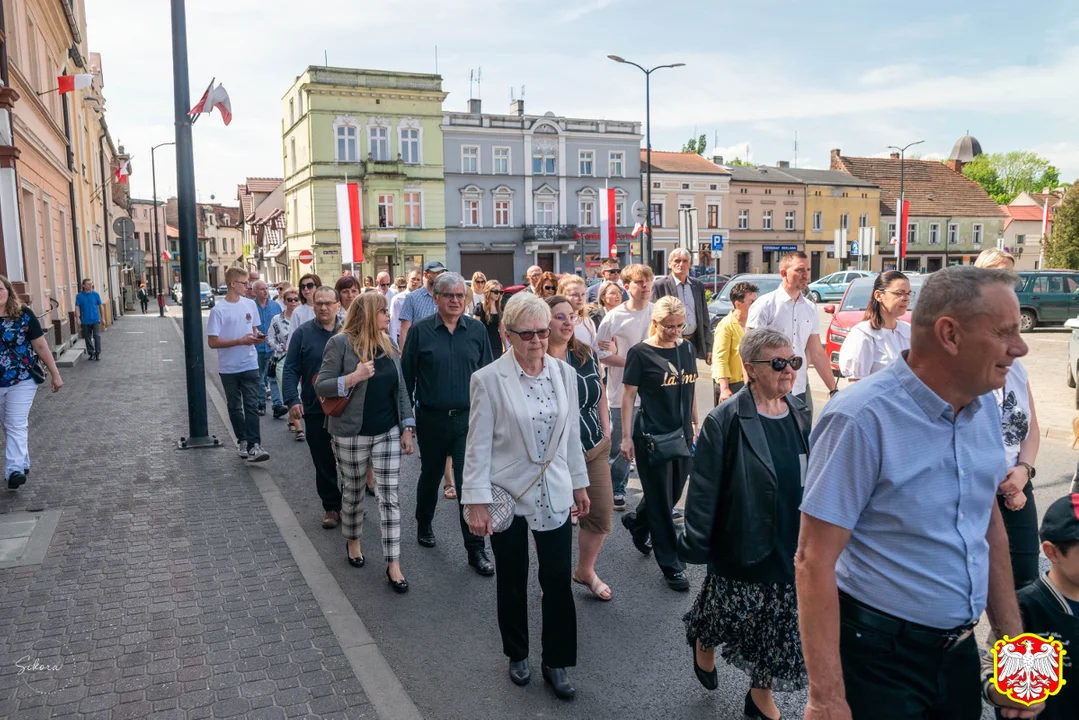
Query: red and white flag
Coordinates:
[608,228]
[214,97]
[902,213]
[165,255]
[67,83]
[350,222]
[1045,220]
[638,228]
[121,172]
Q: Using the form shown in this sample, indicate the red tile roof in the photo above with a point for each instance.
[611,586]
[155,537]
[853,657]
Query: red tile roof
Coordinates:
[1024,212]
[932,188]
[679,162]
[1056,198]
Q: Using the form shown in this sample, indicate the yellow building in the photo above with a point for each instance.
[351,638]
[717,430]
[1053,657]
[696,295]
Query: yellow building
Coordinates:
[835,201]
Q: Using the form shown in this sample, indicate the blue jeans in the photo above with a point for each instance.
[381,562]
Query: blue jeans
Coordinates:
[242,393]
[619,465]
[264,377]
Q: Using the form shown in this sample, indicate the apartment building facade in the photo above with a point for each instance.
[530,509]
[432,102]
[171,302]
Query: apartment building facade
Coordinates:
[766,217]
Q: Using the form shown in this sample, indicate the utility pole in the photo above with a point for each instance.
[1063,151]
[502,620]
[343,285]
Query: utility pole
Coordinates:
[157,241]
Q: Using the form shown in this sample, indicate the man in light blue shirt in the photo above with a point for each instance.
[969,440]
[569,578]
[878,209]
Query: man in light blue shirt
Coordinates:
[902,544]
[88,317]
[421,303]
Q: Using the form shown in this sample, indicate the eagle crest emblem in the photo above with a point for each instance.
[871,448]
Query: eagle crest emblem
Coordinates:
[1028,668]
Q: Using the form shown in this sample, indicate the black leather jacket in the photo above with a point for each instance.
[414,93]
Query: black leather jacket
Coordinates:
[731,505]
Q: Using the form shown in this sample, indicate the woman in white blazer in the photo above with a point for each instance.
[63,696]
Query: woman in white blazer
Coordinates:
[524,436]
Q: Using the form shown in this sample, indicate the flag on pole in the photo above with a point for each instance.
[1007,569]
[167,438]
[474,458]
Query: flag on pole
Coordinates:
[121,172]
[1045,220]
[67,83]
[637,228]
[608,228]
[902,213]
[350,222]
[214,97]
[165,255]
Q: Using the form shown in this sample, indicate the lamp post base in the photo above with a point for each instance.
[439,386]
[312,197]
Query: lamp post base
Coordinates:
[199,443]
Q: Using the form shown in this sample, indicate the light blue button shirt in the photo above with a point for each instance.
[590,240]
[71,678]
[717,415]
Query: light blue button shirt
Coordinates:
[418,305]
[915,488]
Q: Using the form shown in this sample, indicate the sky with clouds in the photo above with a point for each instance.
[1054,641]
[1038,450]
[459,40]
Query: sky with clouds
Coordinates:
[849,74]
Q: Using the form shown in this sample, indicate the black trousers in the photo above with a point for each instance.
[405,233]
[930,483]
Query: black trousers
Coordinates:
[663,483]
[321,446]
[891,676]
[91,336]
[241,396]
[1023,542]
[554,552]
[441,435]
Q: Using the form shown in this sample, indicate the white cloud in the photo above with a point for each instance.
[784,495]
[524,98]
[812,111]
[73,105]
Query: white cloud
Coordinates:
[891,74]
[738,150]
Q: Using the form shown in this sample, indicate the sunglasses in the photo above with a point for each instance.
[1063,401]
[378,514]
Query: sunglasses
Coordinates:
[308,285]
[384,284]
[495,292]
[613,271]
[527,335]
[292,299]
[552,288]
[780,364]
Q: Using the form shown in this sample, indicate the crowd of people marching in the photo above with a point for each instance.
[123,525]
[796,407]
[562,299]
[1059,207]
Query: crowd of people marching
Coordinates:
[852,555]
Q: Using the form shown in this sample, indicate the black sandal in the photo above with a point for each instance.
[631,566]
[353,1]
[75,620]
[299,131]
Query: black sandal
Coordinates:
[354,562]
[399,586]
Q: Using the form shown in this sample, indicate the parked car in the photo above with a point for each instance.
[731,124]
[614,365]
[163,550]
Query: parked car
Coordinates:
[1047,297]
[222,289]
[206,295]
[851,311]
[721,306]
[177,293]
[832,287]
[714,282]
[1073,356]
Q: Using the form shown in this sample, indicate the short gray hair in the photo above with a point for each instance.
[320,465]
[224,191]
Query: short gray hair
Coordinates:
[756,341]
[524,307]
[679,252]
[448,281]
[956,292]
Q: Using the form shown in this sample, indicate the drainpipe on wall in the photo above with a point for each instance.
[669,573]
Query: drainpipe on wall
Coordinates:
[105,212]
[71,193]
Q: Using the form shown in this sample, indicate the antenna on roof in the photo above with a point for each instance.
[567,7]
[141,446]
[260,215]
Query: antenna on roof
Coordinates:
[471,79]
[436,59]
[325,58]
[795,148]
[479,80]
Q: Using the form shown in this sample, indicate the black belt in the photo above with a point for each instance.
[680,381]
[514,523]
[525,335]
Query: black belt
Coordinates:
[882,622]
[446,413]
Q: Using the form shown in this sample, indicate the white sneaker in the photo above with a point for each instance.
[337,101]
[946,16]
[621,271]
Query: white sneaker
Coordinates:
[257,454]
[241,448]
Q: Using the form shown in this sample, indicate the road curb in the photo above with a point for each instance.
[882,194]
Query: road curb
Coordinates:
[380,683]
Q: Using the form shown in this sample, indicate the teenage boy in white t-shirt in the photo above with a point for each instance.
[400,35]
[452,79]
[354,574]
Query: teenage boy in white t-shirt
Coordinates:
[622,328]
[233,331]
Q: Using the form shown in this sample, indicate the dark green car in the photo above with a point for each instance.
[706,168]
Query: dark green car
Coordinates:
[1047,297]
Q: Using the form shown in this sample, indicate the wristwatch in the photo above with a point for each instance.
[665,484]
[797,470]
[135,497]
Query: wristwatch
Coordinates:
[1030,469]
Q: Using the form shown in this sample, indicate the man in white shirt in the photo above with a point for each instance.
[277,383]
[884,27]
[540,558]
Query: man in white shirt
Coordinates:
[787,310]
[533,276]
[384,284]
[622,328]
[233,330]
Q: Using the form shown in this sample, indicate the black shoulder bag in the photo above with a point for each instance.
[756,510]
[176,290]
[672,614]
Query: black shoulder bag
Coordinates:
[671,445]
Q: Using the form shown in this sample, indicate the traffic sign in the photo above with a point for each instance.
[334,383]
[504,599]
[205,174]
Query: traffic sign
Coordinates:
[717,243]
[123,226]
[854,248]
[306,257]
[637,210]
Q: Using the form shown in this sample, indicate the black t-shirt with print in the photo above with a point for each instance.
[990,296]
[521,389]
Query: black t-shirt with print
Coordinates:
[665,379]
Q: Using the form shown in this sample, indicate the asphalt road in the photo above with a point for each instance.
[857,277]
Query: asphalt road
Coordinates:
[442,637]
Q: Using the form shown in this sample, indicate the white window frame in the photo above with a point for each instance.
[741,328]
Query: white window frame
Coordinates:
[766,220]
[934,233]
[380,127]
[977,233]
[545,156]
[390,219]
[292,153]
[844,221]
[291,112]
[465,155]
[863,220]
[545,195]
[418,206]
[469,195]
[340,132]
[586,211]
[586,156]
[619,208]
[495,160]
[891,232]
[912,233]
[616,159]
[818,221]
[743,219]
[788,221]
[708,215]
[502,194]
[409,125]
[953,233]
[507,209]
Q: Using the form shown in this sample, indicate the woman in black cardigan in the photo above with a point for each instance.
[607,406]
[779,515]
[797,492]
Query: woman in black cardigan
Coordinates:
[742,520]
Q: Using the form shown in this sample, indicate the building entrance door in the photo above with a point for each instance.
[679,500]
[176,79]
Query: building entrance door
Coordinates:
[494,266]
[546,261]
[933,264]
[814,265]
[743,263]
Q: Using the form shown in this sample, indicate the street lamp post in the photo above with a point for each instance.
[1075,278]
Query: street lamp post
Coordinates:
[157,241]
[646,246]
[899,210]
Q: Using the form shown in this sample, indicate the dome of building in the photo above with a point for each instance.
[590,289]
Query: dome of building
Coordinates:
[966,149]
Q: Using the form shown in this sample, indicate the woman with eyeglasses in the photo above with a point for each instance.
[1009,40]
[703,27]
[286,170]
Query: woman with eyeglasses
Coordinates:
[742,521]
[882,336]
[663,371]
[489,312]
[548,285]
[277,338]
[574,289]
[595,440]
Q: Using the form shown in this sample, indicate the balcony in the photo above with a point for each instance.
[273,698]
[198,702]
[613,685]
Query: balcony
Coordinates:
[550,233]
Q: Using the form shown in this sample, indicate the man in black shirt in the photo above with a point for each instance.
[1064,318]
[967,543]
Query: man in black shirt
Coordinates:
[441,352]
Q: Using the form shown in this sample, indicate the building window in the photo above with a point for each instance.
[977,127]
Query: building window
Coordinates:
[385,210]
[766,220]
[543,162]
[584,162]
[502,161]
[413,216]
[976,235]
[502,213]
[378,143]
[743,191]
[291,112]
[292,152]
[844,221]
[585,213]
[818,221]
[934,233]
[213,244]
[470,159]
[657,215]
[863,220]
[891,231]
[713,217]
[953,234]
[1020,239]
[346,143]
[655,186]
[620,213]
[615,164]
[788,221]
[299,99]
[410,145]
[912,233]
[790,192]
[713,186]
[685,186]
[545,212]
[295,220]
[472,213]
[768,191]
[743,219]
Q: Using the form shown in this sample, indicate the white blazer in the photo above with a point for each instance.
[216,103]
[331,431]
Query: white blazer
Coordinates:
[501,448]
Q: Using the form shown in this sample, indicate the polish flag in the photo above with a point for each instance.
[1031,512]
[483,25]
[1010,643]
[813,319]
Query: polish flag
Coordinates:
[350,222]
[165,255]
[1045,220]
[121,172]
[608,228]
[902,215]
[67,83]
[214,97]
[638,228]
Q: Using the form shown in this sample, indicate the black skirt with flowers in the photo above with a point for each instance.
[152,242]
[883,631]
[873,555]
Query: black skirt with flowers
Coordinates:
[756,627]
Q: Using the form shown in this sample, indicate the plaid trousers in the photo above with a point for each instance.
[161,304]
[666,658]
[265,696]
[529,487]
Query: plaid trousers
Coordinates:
[354,454]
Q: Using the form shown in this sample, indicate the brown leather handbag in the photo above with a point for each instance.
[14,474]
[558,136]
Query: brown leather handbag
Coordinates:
[333,406]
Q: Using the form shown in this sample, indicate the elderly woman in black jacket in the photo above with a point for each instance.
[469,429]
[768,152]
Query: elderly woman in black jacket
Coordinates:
[742,520]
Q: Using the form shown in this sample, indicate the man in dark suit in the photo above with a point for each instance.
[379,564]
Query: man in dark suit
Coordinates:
[690,291]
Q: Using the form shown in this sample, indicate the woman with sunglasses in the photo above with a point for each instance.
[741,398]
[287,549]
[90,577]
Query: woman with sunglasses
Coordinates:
[306,311]
[277,338]
[742,521]
[663,370]
[489,312]
[478,288]
[548,285]
[574,289]
[882,336]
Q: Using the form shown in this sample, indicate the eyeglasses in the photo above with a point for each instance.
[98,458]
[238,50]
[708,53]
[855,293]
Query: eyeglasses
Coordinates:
[901,294]
[307,285]
[672,328]
[326,303]
[292,299]
[527,335]
[384,284]
[241,282]
[562,317]
[780,364]
[452,296]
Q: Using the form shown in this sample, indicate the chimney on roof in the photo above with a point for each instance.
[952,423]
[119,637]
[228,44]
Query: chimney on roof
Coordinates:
[1045,191]
[783,164]
[474,106]
[517,107]
[717,160]
[894,156]
[835,162]
[954,164]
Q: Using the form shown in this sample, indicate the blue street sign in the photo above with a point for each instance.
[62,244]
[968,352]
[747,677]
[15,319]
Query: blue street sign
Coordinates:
[854,248]
[717,243]
[779,248]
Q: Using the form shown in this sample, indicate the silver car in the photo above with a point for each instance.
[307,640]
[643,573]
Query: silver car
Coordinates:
[1073,356]
[722,306]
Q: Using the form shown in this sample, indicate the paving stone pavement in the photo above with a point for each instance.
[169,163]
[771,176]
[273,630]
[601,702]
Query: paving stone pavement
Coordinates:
[167,590]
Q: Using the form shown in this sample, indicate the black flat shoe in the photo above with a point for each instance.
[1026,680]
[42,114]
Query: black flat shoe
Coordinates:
[426,537]
[677,581]
[399,586]
[753,712]
[481,564]
[16,480]
[558,679]
[708,679]
[641,541]
[354,562]
[520,672]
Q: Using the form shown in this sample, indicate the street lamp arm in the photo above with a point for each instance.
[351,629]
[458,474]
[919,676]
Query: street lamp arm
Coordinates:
[672,65]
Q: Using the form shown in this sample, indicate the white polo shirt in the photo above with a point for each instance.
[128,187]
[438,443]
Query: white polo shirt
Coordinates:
[797,319]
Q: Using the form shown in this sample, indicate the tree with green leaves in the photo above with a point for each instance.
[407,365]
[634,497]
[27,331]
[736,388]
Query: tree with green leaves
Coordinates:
[696,145]
[1062,250]
[1005,175]
[736,162]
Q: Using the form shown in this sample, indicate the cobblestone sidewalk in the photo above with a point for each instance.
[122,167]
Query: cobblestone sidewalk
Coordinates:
[167,590]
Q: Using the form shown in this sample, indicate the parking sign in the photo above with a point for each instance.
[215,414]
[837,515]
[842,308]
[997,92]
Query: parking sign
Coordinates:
[717,243]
